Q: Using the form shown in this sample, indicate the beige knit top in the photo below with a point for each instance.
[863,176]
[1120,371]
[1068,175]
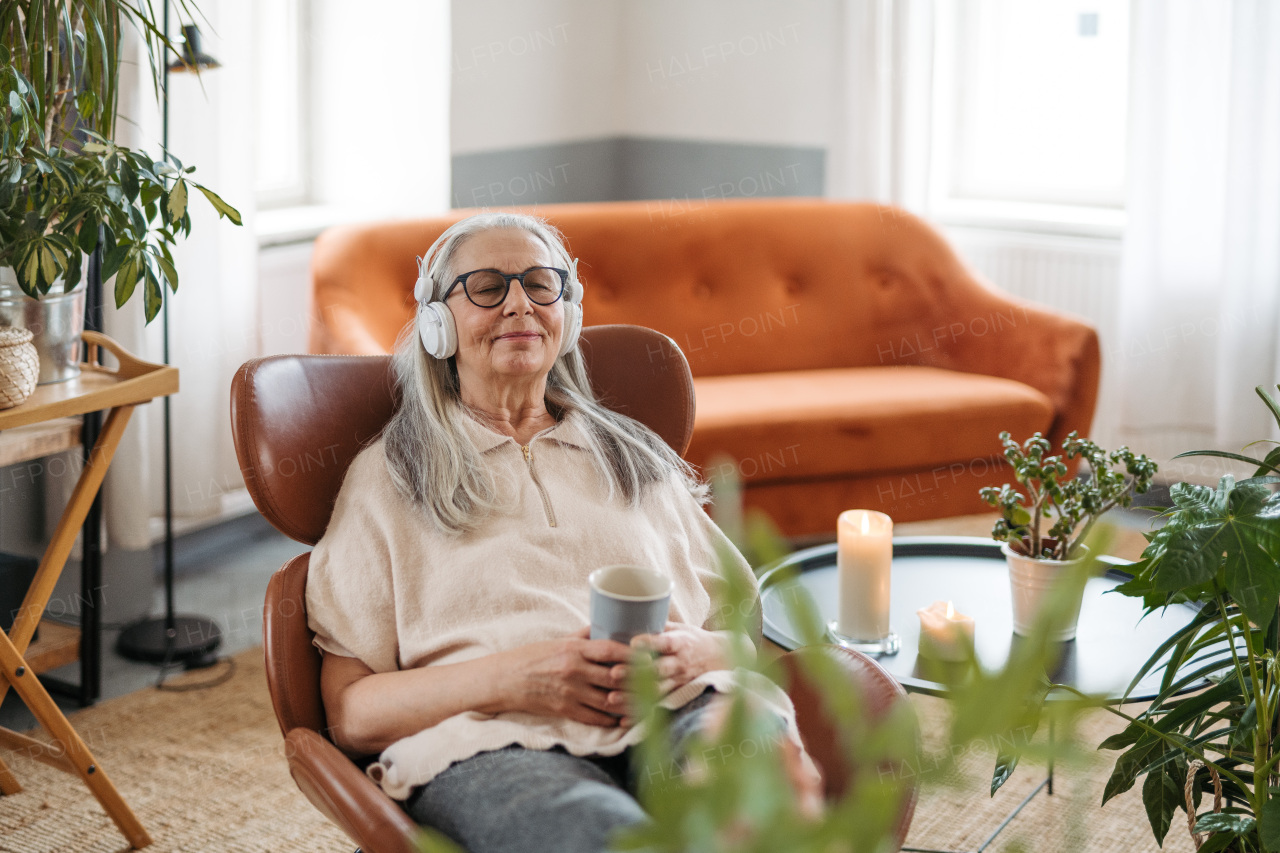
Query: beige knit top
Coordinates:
[386,587]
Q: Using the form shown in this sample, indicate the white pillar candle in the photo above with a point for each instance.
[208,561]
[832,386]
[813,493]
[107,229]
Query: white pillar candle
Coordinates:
[944,633]
[863,559]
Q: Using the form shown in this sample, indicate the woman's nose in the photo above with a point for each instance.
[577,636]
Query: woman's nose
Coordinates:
[517,301]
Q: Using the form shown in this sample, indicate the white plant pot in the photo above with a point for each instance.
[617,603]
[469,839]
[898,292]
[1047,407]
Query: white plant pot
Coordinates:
[1030,580]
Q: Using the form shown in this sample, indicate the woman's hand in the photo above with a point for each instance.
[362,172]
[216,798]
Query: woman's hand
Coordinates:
[574,677]
[685,652]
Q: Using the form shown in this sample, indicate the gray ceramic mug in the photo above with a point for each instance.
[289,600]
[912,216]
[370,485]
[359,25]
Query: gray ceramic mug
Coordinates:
[628,600]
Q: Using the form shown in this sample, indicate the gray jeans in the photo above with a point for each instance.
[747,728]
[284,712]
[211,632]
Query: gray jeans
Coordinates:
[529,801]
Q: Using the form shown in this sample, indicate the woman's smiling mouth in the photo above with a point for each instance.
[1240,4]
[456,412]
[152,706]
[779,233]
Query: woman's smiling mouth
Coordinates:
[519,336]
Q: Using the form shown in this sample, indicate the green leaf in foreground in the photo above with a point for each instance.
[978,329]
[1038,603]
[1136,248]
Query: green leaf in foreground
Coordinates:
[221,206]
[1128,765]
[176,202]
[1235,824]
[430,841]
[1161,795]
[152,293]
[1269,824]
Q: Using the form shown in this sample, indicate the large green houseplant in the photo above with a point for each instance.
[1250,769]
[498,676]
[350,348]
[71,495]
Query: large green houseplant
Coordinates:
[66,187]
[1218,550]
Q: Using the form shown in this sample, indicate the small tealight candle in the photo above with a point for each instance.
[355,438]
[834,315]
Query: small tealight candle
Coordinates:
[944,633]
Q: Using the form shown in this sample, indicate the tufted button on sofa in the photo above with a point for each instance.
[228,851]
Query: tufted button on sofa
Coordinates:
[843,354]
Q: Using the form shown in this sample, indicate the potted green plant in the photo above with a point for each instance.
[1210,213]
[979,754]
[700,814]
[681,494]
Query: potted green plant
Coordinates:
[66,188]
[1219,550]
[1045,519]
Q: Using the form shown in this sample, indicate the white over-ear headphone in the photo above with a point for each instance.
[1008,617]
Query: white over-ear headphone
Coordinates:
[439,333]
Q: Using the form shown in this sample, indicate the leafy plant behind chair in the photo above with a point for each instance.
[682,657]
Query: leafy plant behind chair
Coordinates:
[62,178]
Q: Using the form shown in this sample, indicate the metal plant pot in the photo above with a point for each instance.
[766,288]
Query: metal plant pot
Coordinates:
[56,320]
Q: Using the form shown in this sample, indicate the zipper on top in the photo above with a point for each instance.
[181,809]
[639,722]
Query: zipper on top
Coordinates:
[546,501]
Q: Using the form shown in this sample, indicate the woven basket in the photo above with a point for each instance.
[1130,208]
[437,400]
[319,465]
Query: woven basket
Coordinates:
[19,366]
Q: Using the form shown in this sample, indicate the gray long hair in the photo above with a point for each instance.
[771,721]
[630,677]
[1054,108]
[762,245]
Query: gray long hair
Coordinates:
[429,454]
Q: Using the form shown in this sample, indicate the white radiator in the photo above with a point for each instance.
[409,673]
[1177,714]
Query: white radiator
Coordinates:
[1073,274]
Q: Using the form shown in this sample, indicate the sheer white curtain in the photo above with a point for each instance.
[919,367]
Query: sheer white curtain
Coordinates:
[1249,353]
[1200,280]
[881,138]
[125,491]
[213,318]
[213,324]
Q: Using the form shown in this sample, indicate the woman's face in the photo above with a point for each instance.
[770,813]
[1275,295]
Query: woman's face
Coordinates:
[517,339]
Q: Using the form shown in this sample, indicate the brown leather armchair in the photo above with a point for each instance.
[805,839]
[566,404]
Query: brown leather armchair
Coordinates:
[298,421]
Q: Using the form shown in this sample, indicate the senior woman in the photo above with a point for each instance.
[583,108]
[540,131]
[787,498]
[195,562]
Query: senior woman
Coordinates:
[449,594]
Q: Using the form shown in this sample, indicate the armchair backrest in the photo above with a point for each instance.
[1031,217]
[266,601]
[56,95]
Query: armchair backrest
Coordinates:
[299,420]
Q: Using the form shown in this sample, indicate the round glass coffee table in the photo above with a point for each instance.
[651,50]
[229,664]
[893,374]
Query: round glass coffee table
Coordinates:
[1113,639]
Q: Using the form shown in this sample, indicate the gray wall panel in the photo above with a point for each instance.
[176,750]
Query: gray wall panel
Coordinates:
[686,169]
[629,168]
[543,174]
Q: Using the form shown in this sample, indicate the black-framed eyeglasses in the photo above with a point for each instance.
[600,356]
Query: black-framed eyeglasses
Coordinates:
[488,288]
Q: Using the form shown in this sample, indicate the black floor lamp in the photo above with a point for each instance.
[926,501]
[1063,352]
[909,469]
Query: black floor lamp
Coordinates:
[175,637]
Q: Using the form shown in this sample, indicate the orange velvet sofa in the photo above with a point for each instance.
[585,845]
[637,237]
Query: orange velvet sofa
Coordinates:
[843,355]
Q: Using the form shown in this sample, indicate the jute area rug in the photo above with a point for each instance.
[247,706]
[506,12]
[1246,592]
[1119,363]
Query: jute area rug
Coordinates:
[205,771]
[955,811]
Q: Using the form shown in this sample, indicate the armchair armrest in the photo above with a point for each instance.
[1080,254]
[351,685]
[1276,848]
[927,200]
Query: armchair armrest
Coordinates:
[347,796]
[821,734]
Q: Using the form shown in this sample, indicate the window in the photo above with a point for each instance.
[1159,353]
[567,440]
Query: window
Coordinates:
[282,154]
[1031,104]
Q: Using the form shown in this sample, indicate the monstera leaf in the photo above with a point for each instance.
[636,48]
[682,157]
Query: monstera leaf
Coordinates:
[1231,534]
[1250,537]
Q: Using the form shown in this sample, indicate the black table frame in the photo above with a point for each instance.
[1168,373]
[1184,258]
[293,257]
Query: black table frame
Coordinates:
[89,690]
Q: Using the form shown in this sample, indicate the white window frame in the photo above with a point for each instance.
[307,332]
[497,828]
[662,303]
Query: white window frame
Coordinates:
[300,192]
[945,207]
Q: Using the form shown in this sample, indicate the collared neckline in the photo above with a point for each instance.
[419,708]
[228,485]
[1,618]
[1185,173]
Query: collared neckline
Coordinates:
[568,431]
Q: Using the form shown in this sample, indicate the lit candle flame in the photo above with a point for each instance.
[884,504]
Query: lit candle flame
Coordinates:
[951,611]
[866,524]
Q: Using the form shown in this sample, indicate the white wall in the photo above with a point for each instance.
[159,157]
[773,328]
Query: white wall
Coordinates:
[534,73]
[752,71]
[731,70]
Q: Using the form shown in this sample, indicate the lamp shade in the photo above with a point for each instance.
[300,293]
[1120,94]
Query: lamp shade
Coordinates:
[192,56]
